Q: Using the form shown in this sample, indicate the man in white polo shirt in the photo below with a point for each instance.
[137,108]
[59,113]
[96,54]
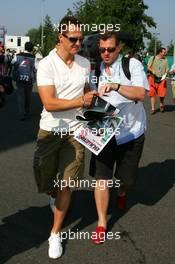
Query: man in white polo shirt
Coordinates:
[62,85]
[172,71]
[126,147]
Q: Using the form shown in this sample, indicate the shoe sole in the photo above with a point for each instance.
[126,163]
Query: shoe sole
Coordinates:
[51,257]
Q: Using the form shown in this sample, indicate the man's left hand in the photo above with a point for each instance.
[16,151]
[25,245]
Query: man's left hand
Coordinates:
[107,88]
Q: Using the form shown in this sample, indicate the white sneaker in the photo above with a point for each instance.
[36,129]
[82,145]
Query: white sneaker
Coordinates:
[55,248]
[52,203]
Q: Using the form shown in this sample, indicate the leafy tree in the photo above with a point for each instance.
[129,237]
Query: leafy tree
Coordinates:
[170,48]
[49,36]
[35,35]
[129,14]
[151,45]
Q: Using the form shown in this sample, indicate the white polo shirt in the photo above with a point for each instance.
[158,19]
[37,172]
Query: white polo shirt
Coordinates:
[134,124]
[69,84]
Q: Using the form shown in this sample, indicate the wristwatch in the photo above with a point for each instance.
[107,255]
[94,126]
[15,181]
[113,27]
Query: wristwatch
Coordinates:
[118,87]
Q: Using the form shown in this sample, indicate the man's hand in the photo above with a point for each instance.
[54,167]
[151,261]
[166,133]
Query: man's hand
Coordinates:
[134,93]
[107,88]
[2,89]
[172,72]
[87,98]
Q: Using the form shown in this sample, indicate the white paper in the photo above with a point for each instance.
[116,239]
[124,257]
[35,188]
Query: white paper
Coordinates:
[95,135]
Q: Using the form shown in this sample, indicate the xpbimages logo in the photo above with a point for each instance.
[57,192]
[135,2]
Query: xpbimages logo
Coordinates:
[85,183]
[79,235]
[87,27]
[86,131]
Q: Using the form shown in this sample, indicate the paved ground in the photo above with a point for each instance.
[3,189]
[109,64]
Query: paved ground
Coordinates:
[147,228]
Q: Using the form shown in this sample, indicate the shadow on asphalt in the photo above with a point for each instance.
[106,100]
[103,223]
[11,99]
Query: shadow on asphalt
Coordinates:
[169,108]
[14,132]
[23,230]
[30,227]
[154,182]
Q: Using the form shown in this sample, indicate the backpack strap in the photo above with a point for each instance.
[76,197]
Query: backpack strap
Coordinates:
[125,67]
[97,73]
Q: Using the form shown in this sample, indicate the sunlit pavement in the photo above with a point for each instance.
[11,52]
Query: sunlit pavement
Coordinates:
[147,232]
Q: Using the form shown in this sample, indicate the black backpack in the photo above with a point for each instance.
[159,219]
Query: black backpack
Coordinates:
[125,67]
[23,71]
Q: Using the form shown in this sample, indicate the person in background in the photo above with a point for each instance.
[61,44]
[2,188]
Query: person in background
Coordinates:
[24,76]
[6,88]
[157,69]
[8,60]
[2,61]
[38,57]
[172,71]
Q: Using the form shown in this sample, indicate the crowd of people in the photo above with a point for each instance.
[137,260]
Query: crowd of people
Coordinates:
[157,70]
[6,57]
[6,85]
[19,68]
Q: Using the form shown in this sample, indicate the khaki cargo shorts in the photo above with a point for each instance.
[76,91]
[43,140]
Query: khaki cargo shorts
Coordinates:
[56,159]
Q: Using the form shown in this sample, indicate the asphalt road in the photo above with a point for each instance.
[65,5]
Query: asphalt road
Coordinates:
[147,232]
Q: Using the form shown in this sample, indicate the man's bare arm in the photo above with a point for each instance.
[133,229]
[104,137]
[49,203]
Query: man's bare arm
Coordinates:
[134,93]
[54,104]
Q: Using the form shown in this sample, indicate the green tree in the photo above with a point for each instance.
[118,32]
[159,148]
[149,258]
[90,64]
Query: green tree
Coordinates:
[49,36]
[170,48]
[129,14]
[35,35]
[151,45]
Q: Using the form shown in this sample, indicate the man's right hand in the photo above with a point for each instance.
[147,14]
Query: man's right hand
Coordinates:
[2,89]
[87,98]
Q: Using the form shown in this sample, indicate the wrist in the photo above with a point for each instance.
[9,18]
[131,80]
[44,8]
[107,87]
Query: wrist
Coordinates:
[117,87]
[82,101]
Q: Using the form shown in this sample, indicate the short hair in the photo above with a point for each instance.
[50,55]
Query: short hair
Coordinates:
[160,50]
[28,46]
[66,21]
[108,34]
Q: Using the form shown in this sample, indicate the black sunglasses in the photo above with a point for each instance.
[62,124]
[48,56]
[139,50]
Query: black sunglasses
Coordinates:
[73,39]
[110,50]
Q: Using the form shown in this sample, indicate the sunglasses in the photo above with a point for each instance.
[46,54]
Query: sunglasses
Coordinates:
[110,50]
[73,39]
